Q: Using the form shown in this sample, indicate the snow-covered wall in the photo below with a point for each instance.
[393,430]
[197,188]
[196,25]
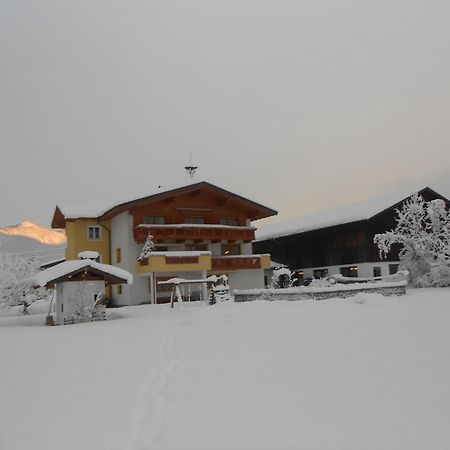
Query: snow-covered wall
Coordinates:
[321,293]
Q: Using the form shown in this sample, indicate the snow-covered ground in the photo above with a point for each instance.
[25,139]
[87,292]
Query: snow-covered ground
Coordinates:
[363,373]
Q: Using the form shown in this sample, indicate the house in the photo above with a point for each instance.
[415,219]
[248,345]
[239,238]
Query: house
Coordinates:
[198,230]
[339,240]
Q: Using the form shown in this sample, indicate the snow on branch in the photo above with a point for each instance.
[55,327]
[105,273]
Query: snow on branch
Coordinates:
[148,247]
[16,282]
[423,232]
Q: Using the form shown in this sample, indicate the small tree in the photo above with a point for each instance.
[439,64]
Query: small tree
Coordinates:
[423,231]
[16,284]
[281,278]
[148,247]
[85,303]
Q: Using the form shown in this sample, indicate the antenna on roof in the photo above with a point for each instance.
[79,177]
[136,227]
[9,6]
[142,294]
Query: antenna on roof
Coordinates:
[190,168]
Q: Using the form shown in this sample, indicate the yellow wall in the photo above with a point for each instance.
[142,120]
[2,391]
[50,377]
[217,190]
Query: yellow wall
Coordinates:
[77,239]
[158,263]
[265,261]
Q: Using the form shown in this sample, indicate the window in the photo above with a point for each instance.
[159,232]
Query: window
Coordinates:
[320,273]
[228,221]
[299,275]
[154,220]
[119,289]
[377,271]
[231,249]
[94,232]
[393,268]
[118,255]
[349,271]
[194,220]
[196,247]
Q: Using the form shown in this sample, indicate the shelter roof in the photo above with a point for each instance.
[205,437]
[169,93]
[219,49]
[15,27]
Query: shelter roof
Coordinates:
[68,270]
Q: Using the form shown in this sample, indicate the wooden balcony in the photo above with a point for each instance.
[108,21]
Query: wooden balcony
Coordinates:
[231,263]
[184,232]
[162,262]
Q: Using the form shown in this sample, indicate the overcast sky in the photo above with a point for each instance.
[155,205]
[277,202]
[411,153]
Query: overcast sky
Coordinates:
[300,105]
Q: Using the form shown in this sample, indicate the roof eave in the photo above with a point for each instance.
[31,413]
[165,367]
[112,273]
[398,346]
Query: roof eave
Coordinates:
[261,210]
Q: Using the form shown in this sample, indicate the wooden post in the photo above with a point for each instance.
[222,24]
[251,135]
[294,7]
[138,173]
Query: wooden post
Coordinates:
[204,286]
[152,288]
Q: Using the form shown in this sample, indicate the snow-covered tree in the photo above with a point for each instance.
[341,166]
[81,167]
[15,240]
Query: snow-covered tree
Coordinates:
[281,278]
[423,232]
[16,285]
[147,248]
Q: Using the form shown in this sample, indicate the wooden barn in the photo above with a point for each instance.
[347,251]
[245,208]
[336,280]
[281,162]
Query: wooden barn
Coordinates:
[339,240]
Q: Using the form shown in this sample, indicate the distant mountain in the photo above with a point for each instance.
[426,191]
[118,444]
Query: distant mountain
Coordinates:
[27,238]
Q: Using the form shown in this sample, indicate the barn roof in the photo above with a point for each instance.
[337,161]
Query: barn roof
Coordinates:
[338,216]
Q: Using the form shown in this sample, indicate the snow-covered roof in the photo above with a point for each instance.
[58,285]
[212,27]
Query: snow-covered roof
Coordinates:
[52,262]
[88,254]
[74,211]
[333,216]
[69,267]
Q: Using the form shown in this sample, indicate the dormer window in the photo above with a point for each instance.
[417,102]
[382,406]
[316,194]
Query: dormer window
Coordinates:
[94,232]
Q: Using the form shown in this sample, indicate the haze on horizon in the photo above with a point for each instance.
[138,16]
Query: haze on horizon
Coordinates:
[300,105]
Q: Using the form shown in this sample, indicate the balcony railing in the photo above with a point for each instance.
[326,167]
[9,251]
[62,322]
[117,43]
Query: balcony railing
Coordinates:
[238,262]
[194,232]
[179,261]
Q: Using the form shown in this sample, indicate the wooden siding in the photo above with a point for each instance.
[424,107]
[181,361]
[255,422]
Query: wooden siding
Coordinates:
[350,243]
[199,233]
[198,203]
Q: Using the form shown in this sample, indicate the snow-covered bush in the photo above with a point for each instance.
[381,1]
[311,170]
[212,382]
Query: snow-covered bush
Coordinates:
[322,282]
[423,232]
[147,248]
[281,278]
[16,286]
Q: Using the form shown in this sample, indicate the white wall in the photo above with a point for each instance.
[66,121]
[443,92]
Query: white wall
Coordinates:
[246,279]
[122,237]
[365,270]
[71,293]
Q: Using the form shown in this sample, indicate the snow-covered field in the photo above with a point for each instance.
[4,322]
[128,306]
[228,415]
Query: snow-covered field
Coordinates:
[362,373]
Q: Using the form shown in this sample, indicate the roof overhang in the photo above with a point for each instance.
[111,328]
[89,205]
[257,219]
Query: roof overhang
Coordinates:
[255,210]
